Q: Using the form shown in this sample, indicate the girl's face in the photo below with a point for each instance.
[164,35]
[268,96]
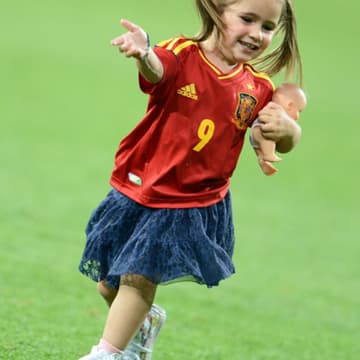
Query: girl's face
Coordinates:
[249,28]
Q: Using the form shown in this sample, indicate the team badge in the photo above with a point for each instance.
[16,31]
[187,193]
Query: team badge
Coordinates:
[244,110]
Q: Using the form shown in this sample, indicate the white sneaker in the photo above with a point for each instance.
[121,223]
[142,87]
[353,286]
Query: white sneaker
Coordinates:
[144,340]
[96,354]
[141,347]
[129,355]
[93,351]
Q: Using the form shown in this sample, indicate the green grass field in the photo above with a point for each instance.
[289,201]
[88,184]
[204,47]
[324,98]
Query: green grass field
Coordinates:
[66,100]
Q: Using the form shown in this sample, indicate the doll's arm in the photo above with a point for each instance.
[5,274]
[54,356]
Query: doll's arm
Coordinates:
[261,145]
[266,166]
[266,146]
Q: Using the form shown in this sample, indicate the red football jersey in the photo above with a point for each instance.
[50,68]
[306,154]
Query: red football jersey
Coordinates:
[185,149]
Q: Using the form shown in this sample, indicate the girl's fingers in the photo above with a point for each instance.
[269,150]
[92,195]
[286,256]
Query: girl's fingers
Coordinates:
[270,109]
[128,25]
[117,41]
[267,128]
[133,42]
[272,105]
[133,30]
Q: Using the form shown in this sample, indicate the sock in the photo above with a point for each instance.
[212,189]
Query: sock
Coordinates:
[104,345]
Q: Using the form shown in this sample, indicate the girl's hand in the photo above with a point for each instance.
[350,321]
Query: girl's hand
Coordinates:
[274,121]
[134,43]
[278,126]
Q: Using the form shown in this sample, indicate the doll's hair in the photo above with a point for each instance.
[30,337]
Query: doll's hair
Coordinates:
[285,55]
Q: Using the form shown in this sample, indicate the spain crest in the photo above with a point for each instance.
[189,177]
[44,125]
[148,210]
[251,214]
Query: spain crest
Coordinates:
[244,110]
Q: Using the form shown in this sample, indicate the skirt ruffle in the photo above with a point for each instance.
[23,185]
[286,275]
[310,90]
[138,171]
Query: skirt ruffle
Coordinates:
[164,245]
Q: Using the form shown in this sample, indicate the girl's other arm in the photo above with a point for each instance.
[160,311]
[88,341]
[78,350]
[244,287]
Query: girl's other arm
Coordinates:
[135,43]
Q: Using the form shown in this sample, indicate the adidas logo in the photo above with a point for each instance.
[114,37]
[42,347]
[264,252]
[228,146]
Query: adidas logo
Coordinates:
[188,91]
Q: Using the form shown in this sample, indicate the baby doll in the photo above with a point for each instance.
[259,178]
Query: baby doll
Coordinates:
[293,100]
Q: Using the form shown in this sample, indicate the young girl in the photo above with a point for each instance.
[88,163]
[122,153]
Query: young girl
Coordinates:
[168,216]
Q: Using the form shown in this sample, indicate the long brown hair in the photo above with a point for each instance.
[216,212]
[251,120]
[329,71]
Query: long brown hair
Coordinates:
[285,55]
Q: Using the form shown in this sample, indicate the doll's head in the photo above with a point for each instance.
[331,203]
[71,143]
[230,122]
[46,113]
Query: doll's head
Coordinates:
[291,97]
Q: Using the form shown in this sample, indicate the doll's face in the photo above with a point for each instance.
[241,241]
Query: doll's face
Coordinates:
[292,99]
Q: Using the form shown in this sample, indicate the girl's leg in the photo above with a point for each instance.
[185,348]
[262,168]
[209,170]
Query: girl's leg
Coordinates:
[128,309]
[143,342]
[107,292]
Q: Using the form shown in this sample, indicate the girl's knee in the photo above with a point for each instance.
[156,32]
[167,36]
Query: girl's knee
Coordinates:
[106,291]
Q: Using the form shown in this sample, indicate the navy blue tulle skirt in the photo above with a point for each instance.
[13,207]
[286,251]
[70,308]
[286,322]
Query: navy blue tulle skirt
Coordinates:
[164,245]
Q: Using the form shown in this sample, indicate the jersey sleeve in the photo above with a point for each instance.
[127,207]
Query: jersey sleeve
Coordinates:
[169,62]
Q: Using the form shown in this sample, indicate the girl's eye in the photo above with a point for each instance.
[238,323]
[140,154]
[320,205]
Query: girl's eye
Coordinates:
[246,19]
[268,27]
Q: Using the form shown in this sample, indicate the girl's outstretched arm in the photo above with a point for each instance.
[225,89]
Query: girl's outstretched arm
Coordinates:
[278,126]
[135,43]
